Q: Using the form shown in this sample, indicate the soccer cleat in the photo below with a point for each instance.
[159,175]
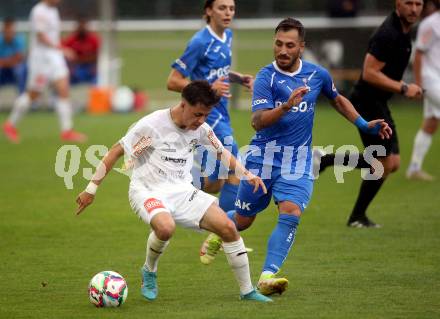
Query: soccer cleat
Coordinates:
[419,175]
[11,132]
[255,296]
[210,248]
[149,284]
[363,222]
[268,284]
[73,136]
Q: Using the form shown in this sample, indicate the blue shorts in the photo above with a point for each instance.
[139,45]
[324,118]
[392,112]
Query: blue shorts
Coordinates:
[297,191]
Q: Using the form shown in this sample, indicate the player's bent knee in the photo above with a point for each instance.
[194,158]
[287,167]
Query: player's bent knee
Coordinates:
[163,225]
[229,232]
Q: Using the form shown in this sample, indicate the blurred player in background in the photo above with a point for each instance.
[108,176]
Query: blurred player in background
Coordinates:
[46,65]
[387,57]
[12,56]
[283,108]
[208,57]
[427,75]
[161,192]
[84,48]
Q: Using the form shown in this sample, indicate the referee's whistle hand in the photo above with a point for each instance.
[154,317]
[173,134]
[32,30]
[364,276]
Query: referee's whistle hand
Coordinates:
[414,91]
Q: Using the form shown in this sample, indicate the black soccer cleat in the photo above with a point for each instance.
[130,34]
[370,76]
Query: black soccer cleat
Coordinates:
[363,222]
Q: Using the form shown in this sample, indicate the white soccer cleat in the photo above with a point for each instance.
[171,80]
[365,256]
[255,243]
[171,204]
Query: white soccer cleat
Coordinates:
[420,176]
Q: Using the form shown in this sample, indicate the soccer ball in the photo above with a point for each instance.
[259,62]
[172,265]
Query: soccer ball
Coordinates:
[122,99]
[108,289]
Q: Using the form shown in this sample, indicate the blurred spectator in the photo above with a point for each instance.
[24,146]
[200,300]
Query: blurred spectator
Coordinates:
[83,48]
[12,56]
[343,8]
[429,7]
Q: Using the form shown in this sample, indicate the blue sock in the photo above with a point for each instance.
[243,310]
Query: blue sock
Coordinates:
[228,195]
[280,242]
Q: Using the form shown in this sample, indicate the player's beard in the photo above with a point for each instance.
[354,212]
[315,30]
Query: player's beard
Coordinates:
[287,67]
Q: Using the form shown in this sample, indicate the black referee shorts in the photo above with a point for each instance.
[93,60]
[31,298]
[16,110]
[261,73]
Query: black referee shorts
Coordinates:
[372,110]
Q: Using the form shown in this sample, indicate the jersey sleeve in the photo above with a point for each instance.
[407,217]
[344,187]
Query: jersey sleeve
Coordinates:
[138,139]
[262,97]
[425,37]
[39,21]
[208,138]
[328,86]
[189,59]
[380,47]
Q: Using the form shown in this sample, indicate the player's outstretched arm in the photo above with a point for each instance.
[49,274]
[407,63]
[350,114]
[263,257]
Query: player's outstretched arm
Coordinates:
[375,127]
[177,81]
[86,197]
[241,172]
[246,80]
[266,117]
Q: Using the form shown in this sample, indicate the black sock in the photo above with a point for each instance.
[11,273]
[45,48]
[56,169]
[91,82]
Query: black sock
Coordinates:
[329,160]
[367,192]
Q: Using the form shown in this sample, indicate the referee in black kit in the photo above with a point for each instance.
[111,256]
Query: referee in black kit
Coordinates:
[387,57]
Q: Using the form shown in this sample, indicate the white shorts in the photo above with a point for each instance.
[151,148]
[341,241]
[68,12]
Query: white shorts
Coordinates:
[431,102]
[186,204]
[44,69]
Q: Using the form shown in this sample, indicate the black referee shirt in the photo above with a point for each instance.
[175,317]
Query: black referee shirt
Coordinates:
[390,45]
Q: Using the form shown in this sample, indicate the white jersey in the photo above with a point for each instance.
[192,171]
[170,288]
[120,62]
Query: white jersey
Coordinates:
[44,19]
[160,153]
[428,41]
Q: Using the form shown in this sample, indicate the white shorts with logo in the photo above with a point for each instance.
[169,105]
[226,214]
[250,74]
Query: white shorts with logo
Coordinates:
[45,68]
[431,103]
[186,204]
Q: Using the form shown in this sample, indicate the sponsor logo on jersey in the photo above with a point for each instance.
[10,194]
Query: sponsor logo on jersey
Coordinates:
[242,205]
[213,139]
[259,101]
[181,161]
[168,148]
[218,73]
[142,145]
[153,203]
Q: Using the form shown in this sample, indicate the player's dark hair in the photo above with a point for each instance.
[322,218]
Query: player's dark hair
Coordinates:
[208,4]
[200,92]
[8,20]
[290,24]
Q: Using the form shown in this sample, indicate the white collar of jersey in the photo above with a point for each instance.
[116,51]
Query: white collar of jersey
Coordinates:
[274,63]
[222,39]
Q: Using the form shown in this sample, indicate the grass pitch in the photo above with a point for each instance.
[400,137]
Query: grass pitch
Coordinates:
[48,255]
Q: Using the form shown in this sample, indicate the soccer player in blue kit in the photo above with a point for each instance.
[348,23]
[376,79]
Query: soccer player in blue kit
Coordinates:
[208,57]
[283,106]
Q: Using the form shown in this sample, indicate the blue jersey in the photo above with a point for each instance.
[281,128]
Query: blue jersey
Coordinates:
[293,130]
[8,49]
[208,57]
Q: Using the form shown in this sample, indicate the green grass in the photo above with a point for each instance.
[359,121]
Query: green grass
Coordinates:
[335,272]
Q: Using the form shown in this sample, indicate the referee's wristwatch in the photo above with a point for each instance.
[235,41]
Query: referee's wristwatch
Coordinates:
[404,88]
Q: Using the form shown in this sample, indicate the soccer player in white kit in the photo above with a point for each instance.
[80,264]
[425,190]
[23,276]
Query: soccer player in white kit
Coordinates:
[46,65]
[427,75]
[160,149]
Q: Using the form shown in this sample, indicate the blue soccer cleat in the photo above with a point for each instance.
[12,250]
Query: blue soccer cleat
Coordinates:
[149,284]
[255,296]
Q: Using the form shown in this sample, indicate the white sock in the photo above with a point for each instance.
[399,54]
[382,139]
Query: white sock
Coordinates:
[238,260]
[64,110]
[422,142]
[155,248]
[20,108]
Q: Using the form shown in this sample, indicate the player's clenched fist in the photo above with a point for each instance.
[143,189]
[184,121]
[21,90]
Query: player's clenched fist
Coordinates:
[83,200]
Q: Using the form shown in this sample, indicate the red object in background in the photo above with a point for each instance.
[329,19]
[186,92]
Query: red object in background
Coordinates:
[140,101]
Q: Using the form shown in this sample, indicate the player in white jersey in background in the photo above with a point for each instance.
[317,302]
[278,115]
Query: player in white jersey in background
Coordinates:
[161,193]
[46,65]
[427,75]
